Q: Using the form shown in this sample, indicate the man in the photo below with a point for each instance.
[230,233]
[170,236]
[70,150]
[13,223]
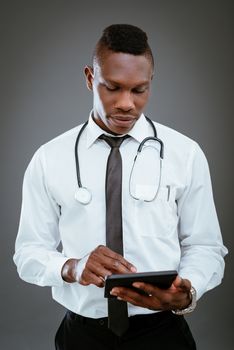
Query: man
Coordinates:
[176,229]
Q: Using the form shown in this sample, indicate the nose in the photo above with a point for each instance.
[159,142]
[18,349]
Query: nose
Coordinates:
[125,102]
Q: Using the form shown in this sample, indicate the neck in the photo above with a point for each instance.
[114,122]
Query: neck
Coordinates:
[104,128]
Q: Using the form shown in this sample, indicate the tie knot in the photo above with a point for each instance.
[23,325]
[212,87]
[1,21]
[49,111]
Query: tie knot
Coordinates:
[113,141]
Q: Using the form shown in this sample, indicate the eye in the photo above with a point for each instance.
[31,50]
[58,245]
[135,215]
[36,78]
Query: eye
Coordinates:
[111,88]
[139,91]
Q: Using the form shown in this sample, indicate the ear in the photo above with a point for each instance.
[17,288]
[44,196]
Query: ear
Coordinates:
[88,71]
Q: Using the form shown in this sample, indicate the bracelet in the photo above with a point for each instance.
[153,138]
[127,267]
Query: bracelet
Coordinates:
[191,306]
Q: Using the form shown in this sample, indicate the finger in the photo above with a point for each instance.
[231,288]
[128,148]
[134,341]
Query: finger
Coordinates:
[148,288]
[164,298]
[119,263]
[111,260]
[135,298]
[97,269]
[182,283]
[88,277]
[105,266]
[167,299]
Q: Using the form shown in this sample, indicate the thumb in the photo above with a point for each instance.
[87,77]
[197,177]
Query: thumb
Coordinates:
[184,284]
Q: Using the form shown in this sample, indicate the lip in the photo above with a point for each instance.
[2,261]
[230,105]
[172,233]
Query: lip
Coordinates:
[123,119]
[124,122]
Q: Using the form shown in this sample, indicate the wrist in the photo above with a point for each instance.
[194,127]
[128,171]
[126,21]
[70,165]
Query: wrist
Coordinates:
[192,305]
[80,266]
[68,271]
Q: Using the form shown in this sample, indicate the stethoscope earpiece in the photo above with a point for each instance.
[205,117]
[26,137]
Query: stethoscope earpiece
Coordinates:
[83,195]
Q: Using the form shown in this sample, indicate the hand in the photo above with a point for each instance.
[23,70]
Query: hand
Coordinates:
[101,262]
[176,297]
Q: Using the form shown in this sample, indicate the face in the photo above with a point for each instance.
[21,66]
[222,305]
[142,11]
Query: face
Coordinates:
[121,85]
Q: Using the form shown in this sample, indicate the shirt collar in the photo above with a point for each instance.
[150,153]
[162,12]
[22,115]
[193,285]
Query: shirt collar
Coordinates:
[140,130]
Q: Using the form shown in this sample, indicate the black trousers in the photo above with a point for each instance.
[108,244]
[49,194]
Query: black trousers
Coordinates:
[163,331]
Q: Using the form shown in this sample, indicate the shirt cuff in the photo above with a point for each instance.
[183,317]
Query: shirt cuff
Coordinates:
[196,281]
[53,276]
[80,267]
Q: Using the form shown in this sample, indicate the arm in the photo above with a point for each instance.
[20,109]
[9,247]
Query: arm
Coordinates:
[36,256]
[202,250]
[93,268]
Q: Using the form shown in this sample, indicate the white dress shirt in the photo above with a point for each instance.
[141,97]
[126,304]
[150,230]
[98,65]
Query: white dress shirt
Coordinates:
[178,230]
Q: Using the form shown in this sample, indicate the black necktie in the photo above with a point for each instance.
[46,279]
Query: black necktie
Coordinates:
[117,309]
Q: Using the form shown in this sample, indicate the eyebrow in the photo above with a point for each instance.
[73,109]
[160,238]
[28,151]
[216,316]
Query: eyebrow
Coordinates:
[113,82]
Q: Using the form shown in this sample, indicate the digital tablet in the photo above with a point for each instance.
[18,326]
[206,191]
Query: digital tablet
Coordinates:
[161,279]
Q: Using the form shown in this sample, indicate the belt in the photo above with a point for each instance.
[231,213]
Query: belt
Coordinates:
[134,321]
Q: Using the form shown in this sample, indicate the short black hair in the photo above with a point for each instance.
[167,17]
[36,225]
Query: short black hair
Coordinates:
[124,38]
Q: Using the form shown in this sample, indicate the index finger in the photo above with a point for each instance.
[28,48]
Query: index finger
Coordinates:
[121,265]
[118,262]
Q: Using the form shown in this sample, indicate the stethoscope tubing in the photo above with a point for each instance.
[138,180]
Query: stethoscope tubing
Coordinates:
[83,195]
[76,155]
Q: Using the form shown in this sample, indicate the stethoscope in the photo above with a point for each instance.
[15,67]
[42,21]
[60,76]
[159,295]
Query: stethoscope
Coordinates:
[83,194]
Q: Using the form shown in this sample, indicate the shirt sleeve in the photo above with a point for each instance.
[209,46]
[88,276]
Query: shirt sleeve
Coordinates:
[202,249]
[36,256]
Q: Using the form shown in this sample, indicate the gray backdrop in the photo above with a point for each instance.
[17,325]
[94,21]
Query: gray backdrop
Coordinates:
[44,47]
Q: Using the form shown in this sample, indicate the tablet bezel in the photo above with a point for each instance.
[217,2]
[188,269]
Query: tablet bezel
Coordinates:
[161,279]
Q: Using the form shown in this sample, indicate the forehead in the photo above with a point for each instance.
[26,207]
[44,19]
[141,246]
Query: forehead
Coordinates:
[123,67]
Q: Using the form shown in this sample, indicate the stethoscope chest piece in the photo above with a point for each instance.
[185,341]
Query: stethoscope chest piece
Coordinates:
[83,195]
